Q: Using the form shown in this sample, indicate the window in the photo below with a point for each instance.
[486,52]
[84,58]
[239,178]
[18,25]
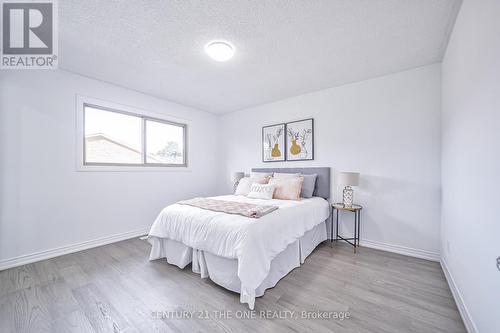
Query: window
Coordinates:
[118,138]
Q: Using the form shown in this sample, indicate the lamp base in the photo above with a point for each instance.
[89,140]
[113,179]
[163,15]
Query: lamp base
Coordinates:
[348,196]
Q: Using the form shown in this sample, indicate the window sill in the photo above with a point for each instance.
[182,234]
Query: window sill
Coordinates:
[131,168]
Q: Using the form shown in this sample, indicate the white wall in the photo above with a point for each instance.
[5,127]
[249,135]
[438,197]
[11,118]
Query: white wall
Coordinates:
[471,161]
[44,202]
[387,128]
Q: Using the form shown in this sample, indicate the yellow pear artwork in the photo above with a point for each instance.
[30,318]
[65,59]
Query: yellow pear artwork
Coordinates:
[276,151]
[295,148]
[300,140]
[273,138]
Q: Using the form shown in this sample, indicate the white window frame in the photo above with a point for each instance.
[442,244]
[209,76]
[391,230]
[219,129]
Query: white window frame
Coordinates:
[83,101]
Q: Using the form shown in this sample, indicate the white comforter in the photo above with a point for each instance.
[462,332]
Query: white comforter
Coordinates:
[254,242]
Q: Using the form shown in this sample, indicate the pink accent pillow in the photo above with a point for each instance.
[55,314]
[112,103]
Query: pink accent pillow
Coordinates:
[258,175]
[287,188]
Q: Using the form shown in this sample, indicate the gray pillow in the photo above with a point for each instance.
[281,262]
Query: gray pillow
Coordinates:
[308,185]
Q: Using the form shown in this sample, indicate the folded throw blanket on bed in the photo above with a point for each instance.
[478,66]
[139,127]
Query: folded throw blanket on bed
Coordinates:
[230,207]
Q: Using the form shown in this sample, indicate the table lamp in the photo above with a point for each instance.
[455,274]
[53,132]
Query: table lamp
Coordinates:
[235,178]
[348,179]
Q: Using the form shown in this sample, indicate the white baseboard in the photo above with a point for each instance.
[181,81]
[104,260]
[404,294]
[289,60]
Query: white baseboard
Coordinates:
[407,251]
[47,254]
[470,326]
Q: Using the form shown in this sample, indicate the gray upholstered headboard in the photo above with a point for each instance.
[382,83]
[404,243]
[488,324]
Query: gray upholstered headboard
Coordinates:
[322,182]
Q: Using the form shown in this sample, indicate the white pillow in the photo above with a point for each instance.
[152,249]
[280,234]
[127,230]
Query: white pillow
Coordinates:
[245,184]
[261,191]
[260,175]
[280,175]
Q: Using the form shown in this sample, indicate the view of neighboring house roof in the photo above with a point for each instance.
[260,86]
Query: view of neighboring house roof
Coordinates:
[102,148]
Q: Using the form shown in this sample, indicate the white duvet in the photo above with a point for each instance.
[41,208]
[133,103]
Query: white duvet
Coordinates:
[254,242]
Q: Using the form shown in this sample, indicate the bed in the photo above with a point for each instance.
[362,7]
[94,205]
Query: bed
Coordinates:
[242,254]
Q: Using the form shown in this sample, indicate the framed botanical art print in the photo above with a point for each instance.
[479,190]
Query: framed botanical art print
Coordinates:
[300,140]
[273,143]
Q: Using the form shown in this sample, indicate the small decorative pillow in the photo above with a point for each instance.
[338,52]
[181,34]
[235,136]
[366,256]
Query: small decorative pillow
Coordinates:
[287,188]
[308,186]
[259,175]
[261,191]
[280,175]
[245,184]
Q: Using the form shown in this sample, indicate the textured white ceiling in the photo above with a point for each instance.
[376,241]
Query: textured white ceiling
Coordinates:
[283,48]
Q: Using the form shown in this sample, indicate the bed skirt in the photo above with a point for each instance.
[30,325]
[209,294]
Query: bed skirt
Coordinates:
[224,271]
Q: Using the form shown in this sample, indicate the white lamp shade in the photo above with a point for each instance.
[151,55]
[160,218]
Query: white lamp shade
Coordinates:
[348,178]
[236,176]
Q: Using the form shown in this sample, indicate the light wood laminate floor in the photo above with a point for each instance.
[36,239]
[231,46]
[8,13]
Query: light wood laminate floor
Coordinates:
[115,288]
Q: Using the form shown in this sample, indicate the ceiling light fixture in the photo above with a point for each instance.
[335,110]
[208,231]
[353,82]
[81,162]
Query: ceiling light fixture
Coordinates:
[219,51]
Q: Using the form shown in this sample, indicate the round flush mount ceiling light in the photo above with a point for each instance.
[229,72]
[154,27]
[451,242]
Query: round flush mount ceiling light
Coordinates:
[219,50]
